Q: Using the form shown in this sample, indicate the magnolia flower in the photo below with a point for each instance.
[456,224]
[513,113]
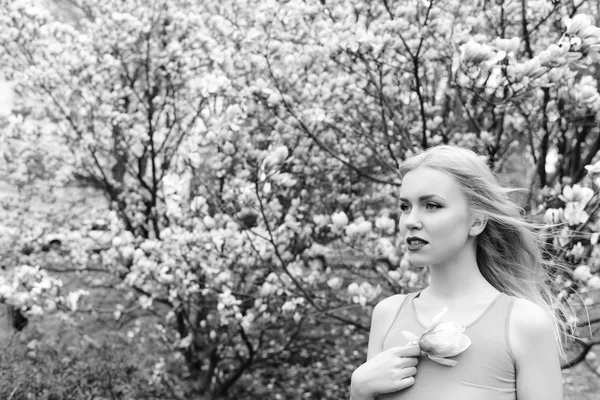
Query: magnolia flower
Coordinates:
[476,53]
[553,216]
[593,168]
[335,283]
[339,219]
[363,293]
[577,251]
[579,23]
[385,224]
[584,94]
[358,227]
[369,292]
[556,74]
[576,199]
[575,213]
[441,340]
[285,179]
[554,56]
[530,68]
[275,158]
[582,273]
[594,282]
[508,45]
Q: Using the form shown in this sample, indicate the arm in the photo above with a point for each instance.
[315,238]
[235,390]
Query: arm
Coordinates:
[535,350]
[381,320]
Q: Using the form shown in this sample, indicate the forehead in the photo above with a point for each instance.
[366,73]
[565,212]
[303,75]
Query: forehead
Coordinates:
[425,181]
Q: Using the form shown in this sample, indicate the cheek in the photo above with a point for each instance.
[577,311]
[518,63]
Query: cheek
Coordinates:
[450,225]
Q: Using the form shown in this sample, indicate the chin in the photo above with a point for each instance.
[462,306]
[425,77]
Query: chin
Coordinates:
[418,263]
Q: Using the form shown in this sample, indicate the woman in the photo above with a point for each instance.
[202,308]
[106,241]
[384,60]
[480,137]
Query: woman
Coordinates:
[486,270]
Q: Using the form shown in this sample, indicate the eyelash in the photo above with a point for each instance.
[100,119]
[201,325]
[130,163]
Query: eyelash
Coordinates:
[429,206]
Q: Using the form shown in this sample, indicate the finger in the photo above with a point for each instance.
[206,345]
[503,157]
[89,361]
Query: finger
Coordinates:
[407,351]
[408,362]
[406,382]
[406,372]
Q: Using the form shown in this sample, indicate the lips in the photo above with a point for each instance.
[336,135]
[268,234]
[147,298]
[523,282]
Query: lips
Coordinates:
[415,243]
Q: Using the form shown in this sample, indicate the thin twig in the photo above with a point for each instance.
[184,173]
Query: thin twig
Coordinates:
[14,391]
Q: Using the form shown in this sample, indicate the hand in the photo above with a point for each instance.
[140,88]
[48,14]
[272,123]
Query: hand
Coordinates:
[389,371]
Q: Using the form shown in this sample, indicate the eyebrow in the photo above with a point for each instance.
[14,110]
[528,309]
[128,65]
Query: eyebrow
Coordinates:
[422,198]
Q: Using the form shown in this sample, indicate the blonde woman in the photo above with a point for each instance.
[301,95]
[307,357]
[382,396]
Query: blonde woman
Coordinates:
[497,337]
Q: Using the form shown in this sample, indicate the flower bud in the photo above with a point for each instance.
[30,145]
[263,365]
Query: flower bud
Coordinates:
[553,216]
[444,339]
[441,340]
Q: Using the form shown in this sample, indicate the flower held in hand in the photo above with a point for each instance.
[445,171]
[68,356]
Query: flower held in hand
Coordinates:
[441,340]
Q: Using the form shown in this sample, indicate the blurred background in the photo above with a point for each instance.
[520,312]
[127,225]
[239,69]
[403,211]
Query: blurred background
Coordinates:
[199,199]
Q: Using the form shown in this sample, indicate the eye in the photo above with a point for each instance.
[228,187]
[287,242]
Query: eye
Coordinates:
[404,207]
[432,206]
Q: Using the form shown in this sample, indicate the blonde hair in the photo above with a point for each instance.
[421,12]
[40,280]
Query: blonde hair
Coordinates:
[509,250]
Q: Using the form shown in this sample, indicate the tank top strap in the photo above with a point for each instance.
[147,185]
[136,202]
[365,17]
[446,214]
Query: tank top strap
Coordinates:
[508,303]
[407,299]
[500,311]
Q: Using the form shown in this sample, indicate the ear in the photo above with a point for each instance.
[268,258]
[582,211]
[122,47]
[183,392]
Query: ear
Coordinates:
[478,225]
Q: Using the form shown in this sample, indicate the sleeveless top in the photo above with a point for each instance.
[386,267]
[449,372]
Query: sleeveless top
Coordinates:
[485,370]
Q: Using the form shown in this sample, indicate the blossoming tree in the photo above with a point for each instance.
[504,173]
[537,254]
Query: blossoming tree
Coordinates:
[248,154]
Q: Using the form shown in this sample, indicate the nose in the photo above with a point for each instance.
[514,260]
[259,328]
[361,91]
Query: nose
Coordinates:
[412,220]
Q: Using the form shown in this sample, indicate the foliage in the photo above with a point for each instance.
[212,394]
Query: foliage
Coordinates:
[76,366]
[248,154]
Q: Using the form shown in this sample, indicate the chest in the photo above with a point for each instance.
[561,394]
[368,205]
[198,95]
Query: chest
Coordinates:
[465,315]
[485,370]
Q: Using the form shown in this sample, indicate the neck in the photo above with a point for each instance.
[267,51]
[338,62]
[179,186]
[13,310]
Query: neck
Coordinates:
[459,279]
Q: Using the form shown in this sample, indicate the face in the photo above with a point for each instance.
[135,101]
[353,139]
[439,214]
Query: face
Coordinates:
[435,221]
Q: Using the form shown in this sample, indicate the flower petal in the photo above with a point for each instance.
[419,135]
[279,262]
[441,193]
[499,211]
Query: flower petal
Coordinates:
[435,344]
[447,329]
[465,342]
[443,361]
[411,337]
[455,349]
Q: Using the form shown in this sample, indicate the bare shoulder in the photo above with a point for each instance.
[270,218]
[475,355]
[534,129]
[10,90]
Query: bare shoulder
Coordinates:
[389,303]
[385,310]
[383,315]
[531,331]
[530,318]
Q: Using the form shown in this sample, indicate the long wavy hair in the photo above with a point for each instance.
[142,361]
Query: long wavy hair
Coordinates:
[510,250]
